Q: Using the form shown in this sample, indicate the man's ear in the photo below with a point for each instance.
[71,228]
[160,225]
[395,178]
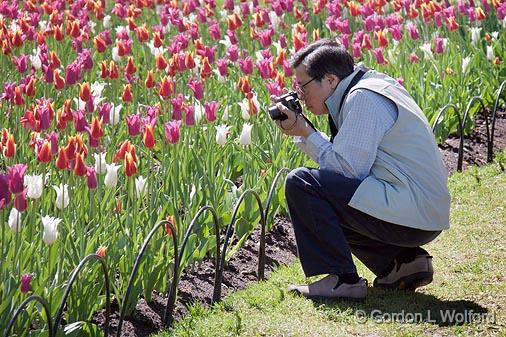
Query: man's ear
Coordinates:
[332,79]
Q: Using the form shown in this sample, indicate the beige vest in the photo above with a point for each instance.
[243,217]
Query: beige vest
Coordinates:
[408,181]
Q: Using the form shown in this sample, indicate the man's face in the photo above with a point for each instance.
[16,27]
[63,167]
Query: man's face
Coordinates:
[314,93]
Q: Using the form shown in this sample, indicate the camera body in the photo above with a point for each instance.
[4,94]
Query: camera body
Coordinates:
[291,101]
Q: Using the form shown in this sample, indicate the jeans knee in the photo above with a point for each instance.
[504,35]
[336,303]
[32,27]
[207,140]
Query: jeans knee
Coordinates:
[293,181]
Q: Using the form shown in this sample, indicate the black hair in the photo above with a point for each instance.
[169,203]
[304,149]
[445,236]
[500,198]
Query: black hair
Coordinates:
[324,57]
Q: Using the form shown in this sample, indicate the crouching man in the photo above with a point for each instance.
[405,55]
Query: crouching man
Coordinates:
[380,191]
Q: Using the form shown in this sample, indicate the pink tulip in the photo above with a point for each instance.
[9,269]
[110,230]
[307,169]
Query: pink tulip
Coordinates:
[413,31]
[287,69]
[265,68]
[265,38]
[273,88]
[413,58]
[438,45]
[356,50]
[378,53]
[396,32]
[91,177]
[17,178]
[366,10]
[210,110]
[48,73]
[343,26]
[233,53]
[72,73]
[20,201]
[52,137]
[5,194]
[172,131]
[80,122]
[85,59]
[104,112]
[345,40]
[222,65]
[190,115]
[177,106]
[232,36]
[21,63]
[214,31]
[25,283]
[134,124]
[197,88]
[228,5]
[246,65]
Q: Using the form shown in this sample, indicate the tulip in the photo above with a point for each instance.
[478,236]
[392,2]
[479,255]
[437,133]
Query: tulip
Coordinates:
[171,220]
[50,229]
[62,196]
[166,87]
[115,114]
[18,96]
[206,69]
[100,44]
[197,88]
[246,65]
[127,93]
[149,136]
[25,283]
[149,82]
[130,68]
[490,53]
[111,176]
[130,165]
[245,137]
[141,187]
[134,124]
[17,178]
[14,220]
[34,185]
[221,134]
[79,166]
[210,110]
[427,51]
[378,54]
[5,195]
[189,115]
[475,35]
[30,87]
[101,251]
[20,201]
[172,131]
[85,91]
[61,161]
[91,178]
[10,146]
[59,81]
[439,45]
[44,154]
[413,31]
[100,162]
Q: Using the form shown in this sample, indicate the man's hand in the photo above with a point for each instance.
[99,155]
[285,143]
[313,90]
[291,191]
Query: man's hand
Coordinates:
[294,125]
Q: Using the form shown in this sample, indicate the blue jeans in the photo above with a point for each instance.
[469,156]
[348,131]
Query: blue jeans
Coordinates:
[328,231]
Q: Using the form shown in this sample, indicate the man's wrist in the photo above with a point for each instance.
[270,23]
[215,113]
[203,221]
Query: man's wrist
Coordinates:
[308,130]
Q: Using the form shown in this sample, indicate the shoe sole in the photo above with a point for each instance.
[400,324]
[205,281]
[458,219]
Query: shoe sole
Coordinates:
[410,282]
[324,298]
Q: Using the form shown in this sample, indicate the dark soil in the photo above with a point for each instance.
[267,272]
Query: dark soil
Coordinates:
[475,145]
[197,284]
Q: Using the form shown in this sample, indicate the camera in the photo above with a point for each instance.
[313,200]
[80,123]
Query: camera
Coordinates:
[291,101]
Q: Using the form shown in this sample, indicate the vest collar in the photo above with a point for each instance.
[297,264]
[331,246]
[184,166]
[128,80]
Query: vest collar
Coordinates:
[334,101]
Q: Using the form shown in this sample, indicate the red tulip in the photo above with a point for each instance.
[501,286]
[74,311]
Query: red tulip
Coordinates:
[59,81]
[61,161]
[85,91]
[149,136]
[44,154]
[79,167]
[100,44]
[130,68]
[18,96]
[130,165]
[149,82]
[127,93]
[160,62]
[10,147]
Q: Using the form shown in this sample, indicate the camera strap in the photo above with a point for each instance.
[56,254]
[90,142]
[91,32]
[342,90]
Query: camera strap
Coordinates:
[332,125]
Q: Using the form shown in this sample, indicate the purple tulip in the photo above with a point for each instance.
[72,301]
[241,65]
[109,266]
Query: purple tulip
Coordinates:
[104,112]
[210,110]
[177,106]
[80,122]
[85,59]
[21,63]
[222,65]
[25,283]
[438,45]
[72,73]
[172,131]
[190,115]
[91,176]
[17,177]
[246,65]
[197,88]
[20,201]
[134,124]
[233,53]
[5,194]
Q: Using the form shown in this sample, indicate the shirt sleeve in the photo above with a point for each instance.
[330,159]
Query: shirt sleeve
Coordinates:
[369,116]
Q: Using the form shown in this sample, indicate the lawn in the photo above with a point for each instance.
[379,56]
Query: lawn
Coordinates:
[467,297]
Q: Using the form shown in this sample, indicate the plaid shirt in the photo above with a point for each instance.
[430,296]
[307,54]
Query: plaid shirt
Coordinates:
[352,154]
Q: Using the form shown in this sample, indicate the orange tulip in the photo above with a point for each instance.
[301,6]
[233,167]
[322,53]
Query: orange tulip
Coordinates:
[59,81]
[100,44]
[127,93]
[10,146]
[44,155]
[171,220]
[18,96]
[96,128]
[79,166]
[75,30]
[142,33]
[130,165]
[189,62]
[58,33]
[206,69]
[149,82]
[101,251]
[130,68]
[55,61]
[160,62]
[61,161]
[166,87]
[85,91]
[149,136]
[113,70]
[157,40]
[104,71]
[30,88]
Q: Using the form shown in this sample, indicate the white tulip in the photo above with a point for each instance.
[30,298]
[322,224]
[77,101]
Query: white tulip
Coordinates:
[97,88]
[35,59]
[245,137]
[465,63]
[244,109]
[226,42]
[114,116]
[490,53]
[81,105]
[107,21]
[100,162]
[494,35]
[111,177]
[115,55]
[15,220]
[224,117]
[141,186]
[273,17]
[221,134]
[62,196]
[50,229]
[34,185]
[427,50]
[475,35]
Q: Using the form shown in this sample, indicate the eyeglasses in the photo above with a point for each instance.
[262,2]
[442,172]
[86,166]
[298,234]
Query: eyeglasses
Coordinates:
[300,88]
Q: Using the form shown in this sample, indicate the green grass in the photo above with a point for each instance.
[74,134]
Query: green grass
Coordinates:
[470,274]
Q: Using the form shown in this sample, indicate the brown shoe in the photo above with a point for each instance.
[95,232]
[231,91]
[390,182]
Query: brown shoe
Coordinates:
[408,276]
[329,287]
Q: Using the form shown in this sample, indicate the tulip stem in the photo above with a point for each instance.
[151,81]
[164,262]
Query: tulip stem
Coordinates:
[2,244]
